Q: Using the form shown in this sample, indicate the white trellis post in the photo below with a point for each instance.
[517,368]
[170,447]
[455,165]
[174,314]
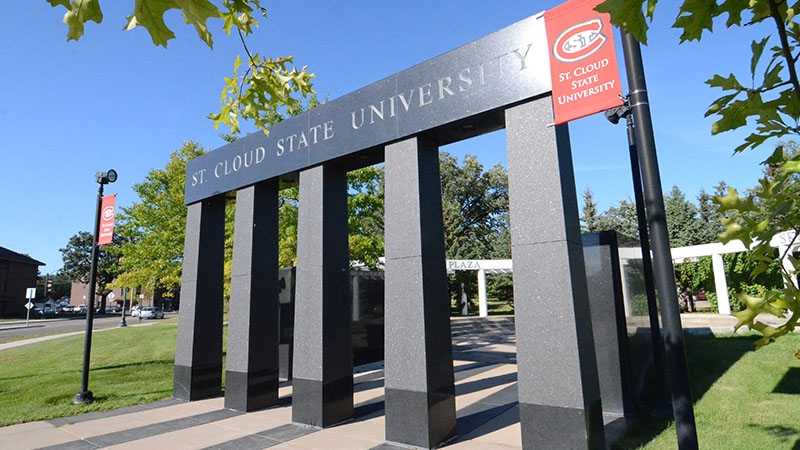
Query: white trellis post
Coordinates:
[483,306]
[723,302]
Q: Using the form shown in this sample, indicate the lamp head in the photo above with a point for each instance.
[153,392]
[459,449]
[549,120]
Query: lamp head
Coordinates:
[615,114]
[106,177]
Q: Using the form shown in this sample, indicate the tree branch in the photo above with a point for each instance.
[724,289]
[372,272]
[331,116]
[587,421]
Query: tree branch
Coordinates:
[785,47]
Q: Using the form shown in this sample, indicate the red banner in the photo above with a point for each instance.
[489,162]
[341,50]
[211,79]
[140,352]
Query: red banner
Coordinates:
[107,220]
[583,62]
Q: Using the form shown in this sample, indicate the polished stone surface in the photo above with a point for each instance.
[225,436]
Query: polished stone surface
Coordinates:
[555,346]
[601,257]
[420,401]
[251,380]
[323,357]
[198,351]
[455,95]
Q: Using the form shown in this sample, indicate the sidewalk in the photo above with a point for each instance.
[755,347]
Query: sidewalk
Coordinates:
[22,342]
[705,323]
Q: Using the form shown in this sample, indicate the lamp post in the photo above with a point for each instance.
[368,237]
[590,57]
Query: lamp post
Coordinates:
[85,395]
[122,322]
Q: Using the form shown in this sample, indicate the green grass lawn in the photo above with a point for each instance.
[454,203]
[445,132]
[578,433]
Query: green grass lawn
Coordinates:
[744,399]
[129,366]
[495,307]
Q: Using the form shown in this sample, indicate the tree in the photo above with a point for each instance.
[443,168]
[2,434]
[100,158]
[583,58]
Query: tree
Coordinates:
[475,206]
[60,286]
[622,219]
[770,102]
[475,214]
[590,220]
[683,223]
[77,257]
[365,218]
[365,206]
[268,84]
[154,227]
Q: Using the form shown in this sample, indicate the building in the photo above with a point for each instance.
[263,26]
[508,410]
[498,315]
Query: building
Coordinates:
[18,272]
[79,295]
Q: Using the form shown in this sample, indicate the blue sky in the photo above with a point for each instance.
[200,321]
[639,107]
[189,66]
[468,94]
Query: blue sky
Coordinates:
[114,100]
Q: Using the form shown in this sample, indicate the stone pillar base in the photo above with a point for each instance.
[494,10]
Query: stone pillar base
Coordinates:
[322,404]
[429,430]
[197,382]
[251,391]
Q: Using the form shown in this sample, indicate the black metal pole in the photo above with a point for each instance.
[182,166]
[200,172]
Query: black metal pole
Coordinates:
[122,322]
[647,267]
[662,257]
[85,395]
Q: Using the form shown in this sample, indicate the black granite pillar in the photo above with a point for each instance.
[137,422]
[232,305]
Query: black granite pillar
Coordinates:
[601,258]
[322,392]
[559,394]
[251,373]
[198,352]
[420,400]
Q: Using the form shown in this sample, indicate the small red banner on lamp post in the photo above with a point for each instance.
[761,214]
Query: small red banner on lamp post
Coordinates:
[583,62]
[107,214]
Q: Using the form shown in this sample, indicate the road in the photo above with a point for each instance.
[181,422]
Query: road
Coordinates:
[37,327]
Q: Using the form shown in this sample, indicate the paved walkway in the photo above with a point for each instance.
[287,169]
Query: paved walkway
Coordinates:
[486,402]
[488,417]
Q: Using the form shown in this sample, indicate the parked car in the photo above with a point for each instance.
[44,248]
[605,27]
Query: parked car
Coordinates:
[66,309]
[151,312]
[112,309]
[135,311]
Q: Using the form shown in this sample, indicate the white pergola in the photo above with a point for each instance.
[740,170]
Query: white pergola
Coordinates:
[482,266]
[780,241]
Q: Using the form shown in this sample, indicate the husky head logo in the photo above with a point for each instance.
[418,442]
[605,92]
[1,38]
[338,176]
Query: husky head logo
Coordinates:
[579,41]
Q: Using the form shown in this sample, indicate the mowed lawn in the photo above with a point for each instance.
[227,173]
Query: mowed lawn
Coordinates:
[745,399]
[129,366]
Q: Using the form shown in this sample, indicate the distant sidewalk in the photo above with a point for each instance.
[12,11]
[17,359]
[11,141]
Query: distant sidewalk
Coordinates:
[22,342]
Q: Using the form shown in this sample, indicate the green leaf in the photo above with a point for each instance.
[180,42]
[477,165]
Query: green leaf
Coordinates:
[720,103]
[694,17]
[150,15]
[727,84]
[64,3]
[777,156]
[78,13]
[196,13]
[627,14]
[734,9]
[758,49]
[792,167]
[733,116]
[772,76]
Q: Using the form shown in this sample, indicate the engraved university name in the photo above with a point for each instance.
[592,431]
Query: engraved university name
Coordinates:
[507,66]
[456,83]
[460,81]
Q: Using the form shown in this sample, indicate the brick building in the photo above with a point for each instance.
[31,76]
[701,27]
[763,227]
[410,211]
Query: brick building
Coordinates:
[79,295]
[17,273]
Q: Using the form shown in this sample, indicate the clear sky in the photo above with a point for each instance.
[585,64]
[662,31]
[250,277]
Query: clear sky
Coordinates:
[114,100]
